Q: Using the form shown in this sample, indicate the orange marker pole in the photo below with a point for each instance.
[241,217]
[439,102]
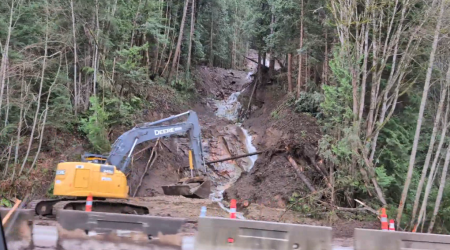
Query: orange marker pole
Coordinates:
[89,203]
[233,209]
[384,220]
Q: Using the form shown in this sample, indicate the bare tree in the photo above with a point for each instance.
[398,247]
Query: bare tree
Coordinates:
[180,39]
[300,58]
[4,62]
[95,62]
[420,117]
[434,165]
[430,149]
[188,66]
[45,112]
[75,60]
[290,72]
[440,192]
[44,64]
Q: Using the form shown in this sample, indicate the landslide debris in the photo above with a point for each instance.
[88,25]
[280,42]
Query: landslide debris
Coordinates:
[280,131]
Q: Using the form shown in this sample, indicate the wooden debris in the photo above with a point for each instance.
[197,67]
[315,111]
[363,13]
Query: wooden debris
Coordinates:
[8,215]
[301,175]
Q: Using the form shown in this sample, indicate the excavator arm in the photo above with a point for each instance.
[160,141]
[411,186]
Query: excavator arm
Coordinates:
[124,146]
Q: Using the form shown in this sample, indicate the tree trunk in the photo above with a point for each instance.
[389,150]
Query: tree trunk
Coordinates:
[134,22]
[211,47]
[441,188]
[305,180]
[41,137]
[325,65]
[433,168]
[7,103]
[190,39]
[4,63]
[75,60]
[290,72]
[300,61]
[19,129]
[8,158]
[364,73]
[430,149]
[180,39]
[420,118]
[94,89]
[39,95]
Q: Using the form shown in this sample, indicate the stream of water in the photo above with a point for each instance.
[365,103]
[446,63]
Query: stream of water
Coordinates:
[229,109]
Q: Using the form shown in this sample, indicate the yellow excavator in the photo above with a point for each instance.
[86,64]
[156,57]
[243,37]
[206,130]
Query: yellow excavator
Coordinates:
[104,177]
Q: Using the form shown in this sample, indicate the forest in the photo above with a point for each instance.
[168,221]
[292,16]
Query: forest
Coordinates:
[375,74]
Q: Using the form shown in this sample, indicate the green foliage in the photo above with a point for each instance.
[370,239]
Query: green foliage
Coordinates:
[309,103]
[49,193]
[5,203]
[96,127]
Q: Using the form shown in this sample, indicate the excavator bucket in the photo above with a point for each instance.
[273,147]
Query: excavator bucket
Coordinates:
[195,187]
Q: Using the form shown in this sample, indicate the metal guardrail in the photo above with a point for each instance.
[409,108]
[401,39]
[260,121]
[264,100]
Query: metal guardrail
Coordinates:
[223,234]
[91,221]
[384,240]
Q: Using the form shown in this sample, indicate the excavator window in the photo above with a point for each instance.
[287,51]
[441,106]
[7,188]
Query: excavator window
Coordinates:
[96,160]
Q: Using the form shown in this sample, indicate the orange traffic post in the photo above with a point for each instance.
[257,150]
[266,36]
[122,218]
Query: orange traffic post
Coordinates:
[384,220]
[391,225]
[89,203]
[233,209]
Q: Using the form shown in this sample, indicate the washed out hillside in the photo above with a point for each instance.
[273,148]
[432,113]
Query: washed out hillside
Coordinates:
[325,111]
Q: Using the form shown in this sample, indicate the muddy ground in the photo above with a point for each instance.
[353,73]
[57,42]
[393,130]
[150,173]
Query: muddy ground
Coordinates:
[268,184]
[271,182]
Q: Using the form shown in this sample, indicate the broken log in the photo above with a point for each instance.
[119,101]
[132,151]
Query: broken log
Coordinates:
[234,157]
[250,59]
[249,111]
[301,175]
[367,207]
[8,215]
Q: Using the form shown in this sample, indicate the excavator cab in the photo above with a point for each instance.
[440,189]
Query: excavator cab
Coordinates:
[93,158]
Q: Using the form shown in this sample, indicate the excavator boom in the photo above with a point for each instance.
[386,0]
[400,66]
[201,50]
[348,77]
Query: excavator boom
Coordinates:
[124,146]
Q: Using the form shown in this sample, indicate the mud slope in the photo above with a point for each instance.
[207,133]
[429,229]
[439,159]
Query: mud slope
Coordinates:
[221,138]
[281,132]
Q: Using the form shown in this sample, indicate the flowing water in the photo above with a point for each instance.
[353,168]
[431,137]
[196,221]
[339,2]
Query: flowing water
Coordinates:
[229,109]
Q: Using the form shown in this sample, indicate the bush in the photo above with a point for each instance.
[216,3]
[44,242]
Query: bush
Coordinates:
[308,103]
[95,127]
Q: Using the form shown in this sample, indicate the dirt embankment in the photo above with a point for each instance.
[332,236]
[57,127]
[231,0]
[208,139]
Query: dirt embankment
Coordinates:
[282,133]
[221,138]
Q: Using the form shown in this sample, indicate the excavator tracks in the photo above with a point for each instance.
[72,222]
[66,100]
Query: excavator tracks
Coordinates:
[103,206]
[50,207]
[45,207]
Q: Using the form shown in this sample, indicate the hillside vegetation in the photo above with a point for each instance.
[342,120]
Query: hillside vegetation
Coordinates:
[374,74]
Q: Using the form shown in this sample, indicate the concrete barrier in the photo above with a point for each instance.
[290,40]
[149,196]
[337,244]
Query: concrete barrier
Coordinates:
[19,223]
[18,229]
[384,240]
[223,234]
[151,225]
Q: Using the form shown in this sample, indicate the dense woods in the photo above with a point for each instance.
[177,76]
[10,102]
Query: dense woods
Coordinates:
[374,73]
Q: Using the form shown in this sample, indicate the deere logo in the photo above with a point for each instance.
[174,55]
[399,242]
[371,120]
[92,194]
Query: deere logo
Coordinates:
[167,131]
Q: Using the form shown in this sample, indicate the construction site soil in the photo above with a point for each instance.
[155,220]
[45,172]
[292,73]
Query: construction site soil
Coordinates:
[268,185]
